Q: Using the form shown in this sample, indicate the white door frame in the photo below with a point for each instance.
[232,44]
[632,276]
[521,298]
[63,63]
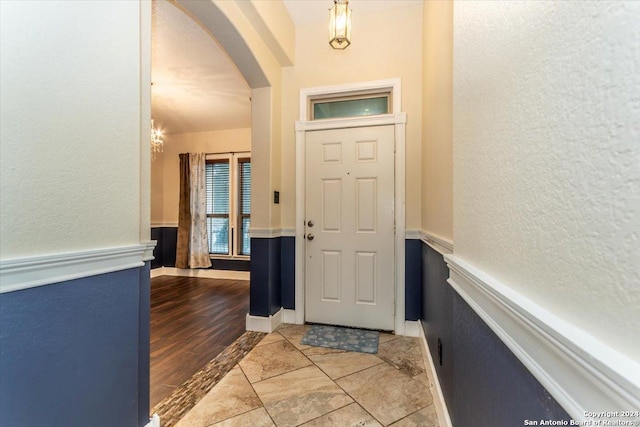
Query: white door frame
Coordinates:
[397,118]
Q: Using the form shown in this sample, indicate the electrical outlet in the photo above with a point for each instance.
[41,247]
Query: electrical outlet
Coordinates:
[439,351]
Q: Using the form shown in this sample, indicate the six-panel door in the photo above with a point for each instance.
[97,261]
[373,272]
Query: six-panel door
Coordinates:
[350,261]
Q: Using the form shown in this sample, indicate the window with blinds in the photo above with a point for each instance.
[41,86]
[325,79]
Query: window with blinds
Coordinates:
[217,178]
[228,180]
[244,199]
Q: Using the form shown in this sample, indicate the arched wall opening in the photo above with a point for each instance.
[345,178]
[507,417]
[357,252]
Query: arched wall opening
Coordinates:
[261,70]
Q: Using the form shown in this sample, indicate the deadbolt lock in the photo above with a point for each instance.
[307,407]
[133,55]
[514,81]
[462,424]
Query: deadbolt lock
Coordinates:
[310,223]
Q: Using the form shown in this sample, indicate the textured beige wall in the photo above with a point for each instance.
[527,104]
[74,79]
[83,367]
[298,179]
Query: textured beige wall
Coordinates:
[165,192]
[70,160]
[437,126]
[385,45]
[272,21]
[546,157]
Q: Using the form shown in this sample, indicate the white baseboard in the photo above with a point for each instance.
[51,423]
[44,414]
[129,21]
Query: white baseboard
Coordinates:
[264,324]
[579,371]
[436,391]
[23,273]
[204,273]
[288,316]
[412,328]
[154,421]
[157,272]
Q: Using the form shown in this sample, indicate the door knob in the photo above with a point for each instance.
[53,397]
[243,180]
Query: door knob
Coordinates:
[310,236]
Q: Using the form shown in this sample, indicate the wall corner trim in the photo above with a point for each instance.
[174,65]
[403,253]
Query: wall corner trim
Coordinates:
[23,273]
[288,316]
[154,421]
[412,235]
[578,370]
[288,232]
[264,324]
[437,243]
[438,397]
[412,328]
[164,225]
[265,233]
[148,251]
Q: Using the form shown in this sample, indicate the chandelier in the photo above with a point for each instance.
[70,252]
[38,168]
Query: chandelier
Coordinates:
[340,24]
[157,143]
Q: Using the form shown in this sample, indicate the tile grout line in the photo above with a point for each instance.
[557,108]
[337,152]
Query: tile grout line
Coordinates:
[330,412]
[258,396]
[275,376]
[312,363]
[279,375]
[414,412]
[338,385]
[357,372]
[391,365]
[354,399]
[330,379]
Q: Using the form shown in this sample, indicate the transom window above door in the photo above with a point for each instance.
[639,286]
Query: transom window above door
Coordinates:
[351,105]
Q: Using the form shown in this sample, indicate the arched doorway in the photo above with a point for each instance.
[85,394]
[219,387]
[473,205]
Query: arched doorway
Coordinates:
[219,26]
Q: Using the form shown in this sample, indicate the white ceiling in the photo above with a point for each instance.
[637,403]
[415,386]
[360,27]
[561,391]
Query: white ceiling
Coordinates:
[196,86]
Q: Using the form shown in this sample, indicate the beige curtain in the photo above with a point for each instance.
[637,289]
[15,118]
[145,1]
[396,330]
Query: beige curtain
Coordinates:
[184,214]
[198,239]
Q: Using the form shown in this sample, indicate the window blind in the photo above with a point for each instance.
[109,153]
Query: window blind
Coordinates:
[244,197]
[217,181]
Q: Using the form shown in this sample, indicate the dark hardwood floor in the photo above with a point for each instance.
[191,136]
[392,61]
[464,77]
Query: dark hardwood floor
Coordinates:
[192,321]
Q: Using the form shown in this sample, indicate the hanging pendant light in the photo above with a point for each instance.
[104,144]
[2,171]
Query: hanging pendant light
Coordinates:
[340,25]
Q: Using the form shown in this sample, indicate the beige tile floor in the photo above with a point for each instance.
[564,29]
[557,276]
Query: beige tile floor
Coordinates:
[284,383]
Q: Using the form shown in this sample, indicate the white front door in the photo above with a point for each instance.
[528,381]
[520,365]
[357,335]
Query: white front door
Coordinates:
[350,259]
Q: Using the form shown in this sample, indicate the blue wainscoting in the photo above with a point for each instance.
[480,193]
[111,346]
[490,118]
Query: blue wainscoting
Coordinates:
[413,279]
[413,274]
[483,382]
[437,315]
[76,353]
[492,387]
[288,272]
[144,344]
[165,252]
[157,235]
[265,292]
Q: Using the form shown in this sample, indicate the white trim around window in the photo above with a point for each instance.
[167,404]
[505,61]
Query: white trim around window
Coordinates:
[234,239]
